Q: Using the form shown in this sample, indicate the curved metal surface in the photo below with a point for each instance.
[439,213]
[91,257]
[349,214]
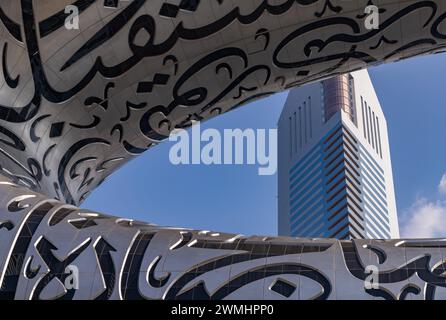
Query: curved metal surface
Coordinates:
[123,259]
[75,105]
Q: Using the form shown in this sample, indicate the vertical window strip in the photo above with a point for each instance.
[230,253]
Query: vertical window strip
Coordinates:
[351,83]
[291,139]
[311,118]
[305,121]
[374,130]
[295,133]
[371,128]
[363,117]
[322,103]
[300,126]
[379,138]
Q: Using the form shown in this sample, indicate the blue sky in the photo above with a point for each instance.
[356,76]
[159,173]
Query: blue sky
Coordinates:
[234,198]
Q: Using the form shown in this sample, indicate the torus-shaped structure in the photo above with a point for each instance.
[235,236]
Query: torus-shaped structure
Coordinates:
[76,104]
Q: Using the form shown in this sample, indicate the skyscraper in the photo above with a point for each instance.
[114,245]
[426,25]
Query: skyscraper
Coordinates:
[335,172]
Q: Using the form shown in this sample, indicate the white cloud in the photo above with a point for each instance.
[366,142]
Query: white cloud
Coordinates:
[442,185]
[425,219]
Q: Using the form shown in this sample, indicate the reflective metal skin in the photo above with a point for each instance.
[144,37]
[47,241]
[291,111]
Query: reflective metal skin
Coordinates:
[122,259]
[75,105]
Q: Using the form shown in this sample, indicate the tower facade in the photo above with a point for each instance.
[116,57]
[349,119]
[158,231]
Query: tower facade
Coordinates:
[334,165]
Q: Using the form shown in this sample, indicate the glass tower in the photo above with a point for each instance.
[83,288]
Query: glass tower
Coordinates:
[335,172]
